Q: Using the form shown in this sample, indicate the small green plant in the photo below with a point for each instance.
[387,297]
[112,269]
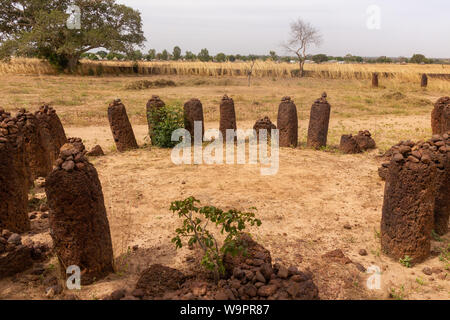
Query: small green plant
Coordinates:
[406,261]
[398,294]
[163,122]
[195,222]
[420,281]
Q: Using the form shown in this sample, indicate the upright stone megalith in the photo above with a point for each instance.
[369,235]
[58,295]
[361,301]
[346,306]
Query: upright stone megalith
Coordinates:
[37,146]
[193,111]
[121,127]
[14,176]
[318,123]
[79,225]
[287,123]
[153,106]
[52,130]
[375,80]
[440,116]
[424,81]
[264,124]
[408,207]
[227,116]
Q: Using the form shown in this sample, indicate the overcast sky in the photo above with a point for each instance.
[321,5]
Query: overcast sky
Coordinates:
[258,26]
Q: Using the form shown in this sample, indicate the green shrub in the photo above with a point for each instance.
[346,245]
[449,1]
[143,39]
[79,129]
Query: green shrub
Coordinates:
[163,122]
[196,219]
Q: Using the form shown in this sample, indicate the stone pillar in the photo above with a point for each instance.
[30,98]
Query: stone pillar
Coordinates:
[424,81]
[287,123]
[153,105]
[14,176]
[348,144]
[264,123]
[375,80]
[409,196]
[52,130]
[193,111]
[37,147]
[121,127]
[78,222]
[318,123]
[227,116]
[440,116]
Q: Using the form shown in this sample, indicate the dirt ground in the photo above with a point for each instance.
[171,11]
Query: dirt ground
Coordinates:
[317,202]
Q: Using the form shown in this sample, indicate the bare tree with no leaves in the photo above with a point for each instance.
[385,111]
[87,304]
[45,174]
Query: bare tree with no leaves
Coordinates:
[303,35]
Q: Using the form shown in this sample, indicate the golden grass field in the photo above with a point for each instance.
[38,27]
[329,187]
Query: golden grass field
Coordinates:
[303,208]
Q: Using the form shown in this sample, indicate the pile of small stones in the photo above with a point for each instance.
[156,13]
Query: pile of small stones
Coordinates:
[71,158]
[264,123]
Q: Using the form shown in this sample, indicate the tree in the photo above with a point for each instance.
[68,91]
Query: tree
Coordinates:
[319,58]
[303,35]
[231,58]
[151,55]
[176,53]
[204,55]
[39,27]
[220,57]
[189,56]
[164,55]
[135,55]
[418,58]
[273,56]
[102,54]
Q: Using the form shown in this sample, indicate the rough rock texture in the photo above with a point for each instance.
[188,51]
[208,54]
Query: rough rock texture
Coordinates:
[262,124]
[440,116]
[409,197]
[227,116]
[121,127]
[153,104]
[436,150]
[318,123]
[52,130]
[250,277]
[375,80]
[37,147]
[193,111]
[77,143]
[348,144]
[356,144]
[78,222]
[424,81]
[158,279]
[96,151]
[287,123]
[15,176]
[17,260]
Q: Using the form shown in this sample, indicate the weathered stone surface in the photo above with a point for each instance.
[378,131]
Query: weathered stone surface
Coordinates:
[375,80]
[158,279]
[121,127]
[15,176]
[96,151]
[440,116]
[407,217]
[227,116]
[193,111]
[424,81]
[264,124]
[78,222]
[15,261]
[318,123]
[348,145]
[52,130]
[287,123]
[153,105]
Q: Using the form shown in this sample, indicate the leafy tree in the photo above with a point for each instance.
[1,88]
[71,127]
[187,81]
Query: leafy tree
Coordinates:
[176,53]
[195,221]
[151,55]
[231,58]
[102,54]
[136,55]
[189,56]
[273,56]
[164,55]
[220,57]
[418,58]
[319,58]
[39,27]
[204,55]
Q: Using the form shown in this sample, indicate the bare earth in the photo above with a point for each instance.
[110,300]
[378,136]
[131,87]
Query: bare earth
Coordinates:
[304,209]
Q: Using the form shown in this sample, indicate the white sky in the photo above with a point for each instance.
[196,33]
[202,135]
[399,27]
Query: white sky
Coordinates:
[258,26]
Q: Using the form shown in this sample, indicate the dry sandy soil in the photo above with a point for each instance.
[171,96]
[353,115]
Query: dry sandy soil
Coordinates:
[304,209]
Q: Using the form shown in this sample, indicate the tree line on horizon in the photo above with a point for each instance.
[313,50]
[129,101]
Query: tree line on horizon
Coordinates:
[204,56]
